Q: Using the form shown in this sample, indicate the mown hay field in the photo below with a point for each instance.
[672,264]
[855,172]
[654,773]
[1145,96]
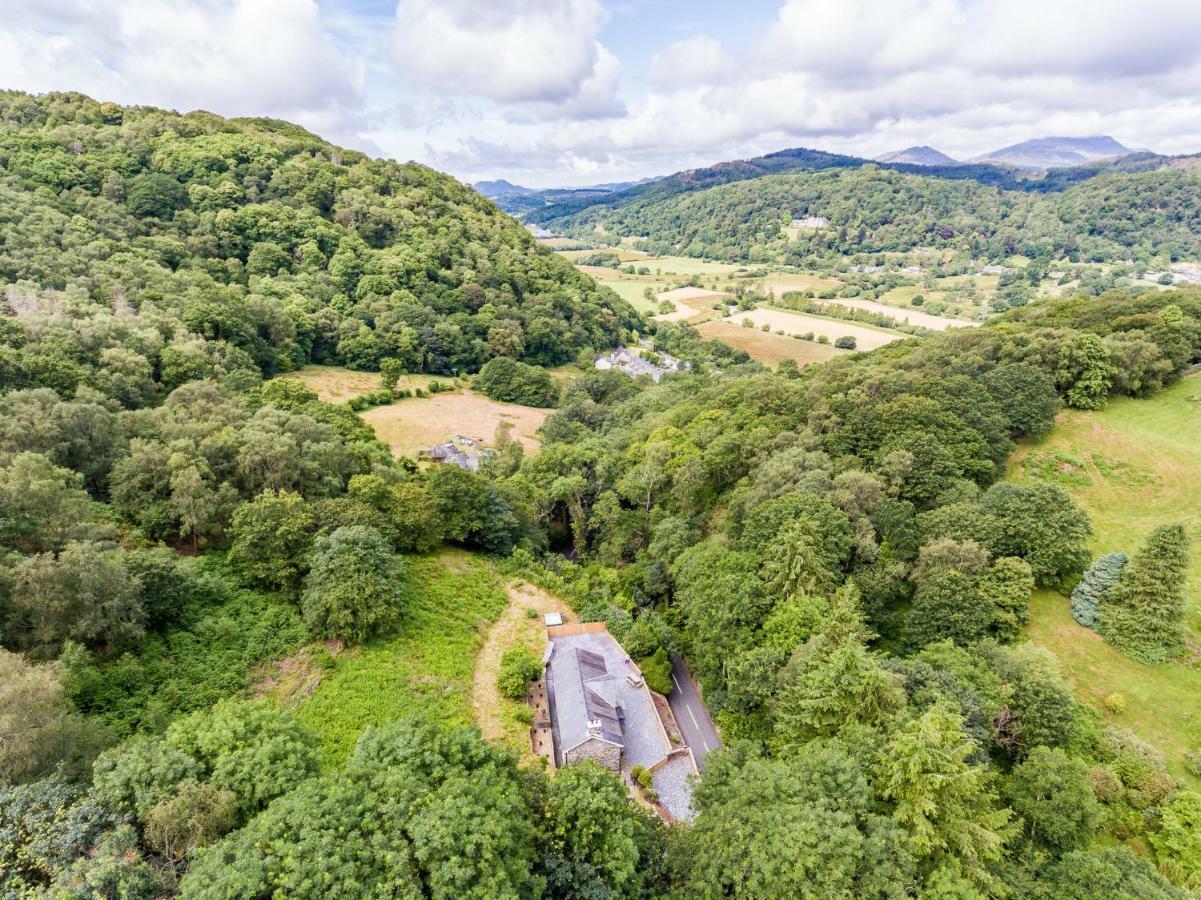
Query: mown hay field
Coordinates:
[866,337]
[765,346]
[415,424]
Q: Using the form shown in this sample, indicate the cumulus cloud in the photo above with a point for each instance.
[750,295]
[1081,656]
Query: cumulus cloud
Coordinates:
[542,51]
[866,76]
[237,57]
[696,61]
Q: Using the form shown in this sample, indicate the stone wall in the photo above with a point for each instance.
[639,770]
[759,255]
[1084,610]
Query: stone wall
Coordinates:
[602,752]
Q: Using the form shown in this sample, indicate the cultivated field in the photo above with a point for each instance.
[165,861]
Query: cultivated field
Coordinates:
[866,337]
[1131,466]
[912,315]
[765,346]
[335,384]
[410,426]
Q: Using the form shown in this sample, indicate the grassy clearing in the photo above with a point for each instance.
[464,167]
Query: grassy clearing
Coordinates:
[496,715]
[426,668]
[1160,702]
[410,426]
[1131,466]
[765,346]
[335,384]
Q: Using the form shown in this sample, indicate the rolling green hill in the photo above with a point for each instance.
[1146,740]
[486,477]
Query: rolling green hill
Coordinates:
[272,243]
[1112,215]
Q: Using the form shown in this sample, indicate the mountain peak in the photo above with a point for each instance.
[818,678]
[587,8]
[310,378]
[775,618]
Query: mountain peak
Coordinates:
[922,155]
[1057,152]
[501,188]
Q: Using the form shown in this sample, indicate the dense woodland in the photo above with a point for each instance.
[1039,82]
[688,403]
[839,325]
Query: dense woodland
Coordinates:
[1111,217]
[832,549]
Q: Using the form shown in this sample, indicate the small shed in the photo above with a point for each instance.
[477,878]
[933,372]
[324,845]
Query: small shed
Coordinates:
[553,618]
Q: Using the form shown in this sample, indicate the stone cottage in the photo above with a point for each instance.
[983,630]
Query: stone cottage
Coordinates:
[588,709]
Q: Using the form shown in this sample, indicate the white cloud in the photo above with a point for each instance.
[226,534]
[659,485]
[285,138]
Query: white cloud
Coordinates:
[508,50]
[696,61]
[236,57]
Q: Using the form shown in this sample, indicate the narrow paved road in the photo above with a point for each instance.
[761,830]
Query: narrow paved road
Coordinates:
[691,714]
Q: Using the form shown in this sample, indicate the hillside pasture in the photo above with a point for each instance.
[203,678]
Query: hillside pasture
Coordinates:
[792,323]
[410,426]
[1131,466]
[766,346]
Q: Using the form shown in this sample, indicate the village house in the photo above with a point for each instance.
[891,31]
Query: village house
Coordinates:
[810,223]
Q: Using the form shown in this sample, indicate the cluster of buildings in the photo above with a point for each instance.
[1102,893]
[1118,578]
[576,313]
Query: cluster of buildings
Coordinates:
[632,362]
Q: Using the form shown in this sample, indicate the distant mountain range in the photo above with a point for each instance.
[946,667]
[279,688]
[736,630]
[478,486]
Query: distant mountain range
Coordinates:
[516,199]
[1042,165]
[1036,154]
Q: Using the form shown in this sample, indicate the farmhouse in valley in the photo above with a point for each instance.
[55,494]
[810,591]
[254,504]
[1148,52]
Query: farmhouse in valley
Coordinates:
[631,362]
[462,451]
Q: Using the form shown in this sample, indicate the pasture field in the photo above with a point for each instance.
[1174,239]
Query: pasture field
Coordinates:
[866,337]
[688,266]
[631,289]
[335,384]
[766,346]
[426,667]
[782,282]
[416,424]
[1131,466]
[912,315]
[1161,701]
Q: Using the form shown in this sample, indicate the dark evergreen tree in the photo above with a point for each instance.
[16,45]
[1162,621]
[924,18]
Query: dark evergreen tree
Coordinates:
[1144,615]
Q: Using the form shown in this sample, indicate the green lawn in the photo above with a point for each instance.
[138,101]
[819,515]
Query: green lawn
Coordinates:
[1161,701]
[1132,466]
[425,668]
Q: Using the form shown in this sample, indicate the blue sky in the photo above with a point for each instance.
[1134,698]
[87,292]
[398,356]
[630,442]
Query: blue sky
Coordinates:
[571,92]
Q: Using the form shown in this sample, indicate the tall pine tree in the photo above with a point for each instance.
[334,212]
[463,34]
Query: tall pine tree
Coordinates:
[1144,614]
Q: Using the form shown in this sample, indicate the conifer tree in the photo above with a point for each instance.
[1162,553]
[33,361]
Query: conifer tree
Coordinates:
[1144,614]
[1094,588]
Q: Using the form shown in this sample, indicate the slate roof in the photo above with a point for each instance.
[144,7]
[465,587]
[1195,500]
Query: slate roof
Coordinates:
[584,692]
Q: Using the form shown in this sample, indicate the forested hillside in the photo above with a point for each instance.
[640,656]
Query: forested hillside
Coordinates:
[835,555]
[1112,216]
[831,549]
[150,248]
